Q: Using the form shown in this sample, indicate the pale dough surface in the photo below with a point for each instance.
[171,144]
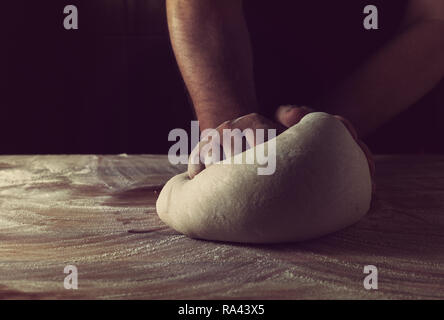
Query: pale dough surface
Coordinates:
[322,184]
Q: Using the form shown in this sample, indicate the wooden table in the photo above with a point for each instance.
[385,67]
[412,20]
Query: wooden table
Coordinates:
[98,213]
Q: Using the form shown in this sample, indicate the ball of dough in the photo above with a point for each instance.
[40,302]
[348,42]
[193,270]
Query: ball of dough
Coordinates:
[322,184]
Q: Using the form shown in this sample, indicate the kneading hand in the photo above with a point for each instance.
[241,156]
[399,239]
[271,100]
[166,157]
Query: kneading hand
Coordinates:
[252,121]
[291,115]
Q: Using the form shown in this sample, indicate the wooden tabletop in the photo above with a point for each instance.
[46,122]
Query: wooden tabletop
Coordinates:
[98,214]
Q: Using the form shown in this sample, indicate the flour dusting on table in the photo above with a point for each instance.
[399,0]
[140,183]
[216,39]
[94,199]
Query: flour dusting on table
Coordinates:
[98,213]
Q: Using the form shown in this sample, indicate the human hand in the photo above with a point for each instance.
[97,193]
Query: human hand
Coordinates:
[202,155]
[290,115]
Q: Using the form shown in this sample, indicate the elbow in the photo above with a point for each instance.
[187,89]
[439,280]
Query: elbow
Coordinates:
[424,11]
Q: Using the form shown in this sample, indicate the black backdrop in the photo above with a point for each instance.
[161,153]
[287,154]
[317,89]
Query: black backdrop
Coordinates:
[113,85]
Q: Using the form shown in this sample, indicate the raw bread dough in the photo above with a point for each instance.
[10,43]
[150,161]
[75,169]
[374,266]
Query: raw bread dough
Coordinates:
[322,184]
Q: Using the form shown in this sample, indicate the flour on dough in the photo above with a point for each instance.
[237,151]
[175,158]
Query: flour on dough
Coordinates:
[322,184]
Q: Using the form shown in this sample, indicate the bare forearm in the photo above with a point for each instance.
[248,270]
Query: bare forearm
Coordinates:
[212,47]
[392,80]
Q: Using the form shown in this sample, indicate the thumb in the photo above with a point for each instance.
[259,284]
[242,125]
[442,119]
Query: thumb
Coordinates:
[290,115]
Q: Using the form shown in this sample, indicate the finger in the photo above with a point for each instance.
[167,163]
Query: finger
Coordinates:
[206,152]
[255,121]
[368,154]
[232,139]
[194,164]
[291,115]
[252,129]
[349,126]
[373,187]
[363,146]
[195,169]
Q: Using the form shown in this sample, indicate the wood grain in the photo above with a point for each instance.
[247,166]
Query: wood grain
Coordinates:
[98,213]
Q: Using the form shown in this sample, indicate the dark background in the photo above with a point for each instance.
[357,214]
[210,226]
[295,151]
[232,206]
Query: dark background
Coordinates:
[113,85]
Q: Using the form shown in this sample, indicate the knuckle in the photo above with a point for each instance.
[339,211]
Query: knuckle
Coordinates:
[226,125]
